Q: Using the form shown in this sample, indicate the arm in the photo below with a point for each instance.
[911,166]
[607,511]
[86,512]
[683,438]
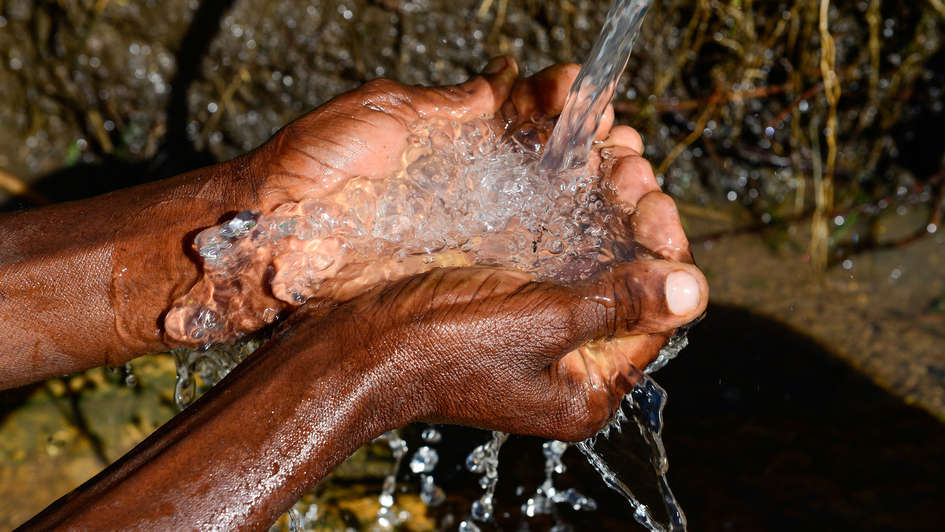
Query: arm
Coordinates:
[85,283]
[480,347]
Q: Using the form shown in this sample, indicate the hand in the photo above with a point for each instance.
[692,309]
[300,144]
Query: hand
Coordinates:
[362,135]
[482,347]
[494,349]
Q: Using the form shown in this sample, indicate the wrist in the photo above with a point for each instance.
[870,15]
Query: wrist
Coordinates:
[153,262]
[363,358]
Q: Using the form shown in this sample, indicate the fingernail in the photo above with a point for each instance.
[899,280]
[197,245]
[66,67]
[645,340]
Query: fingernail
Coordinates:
[682,293]
[496,65]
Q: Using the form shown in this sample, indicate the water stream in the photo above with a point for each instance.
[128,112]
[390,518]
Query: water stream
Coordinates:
[568,147]
[594,87]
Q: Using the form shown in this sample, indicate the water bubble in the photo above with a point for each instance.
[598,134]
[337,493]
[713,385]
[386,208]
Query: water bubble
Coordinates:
[430,493]
[468,526]
[431,435]
[424,460]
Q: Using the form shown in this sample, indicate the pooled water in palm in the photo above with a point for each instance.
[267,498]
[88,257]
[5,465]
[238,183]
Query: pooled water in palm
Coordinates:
[468,194]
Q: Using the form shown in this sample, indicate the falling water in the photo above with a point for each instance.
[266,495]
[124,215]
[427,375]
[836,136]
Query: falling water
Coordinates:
[547,495]
[484,459]
[645,404]
[423,462]
[570,143]
[387,518]
[568,147]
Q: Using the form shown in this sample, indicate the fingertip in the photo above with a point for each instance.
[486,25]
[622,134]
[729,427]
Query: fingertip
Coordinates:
[501,72]
[546,92]
[644,296]
[686,293]
[486,93]
[625,136]
[657,226]
[495,65]
[633,178]
[606,122]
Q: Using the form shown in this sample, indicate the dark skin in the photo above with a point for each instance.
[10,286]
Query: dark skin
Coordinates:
[474,346]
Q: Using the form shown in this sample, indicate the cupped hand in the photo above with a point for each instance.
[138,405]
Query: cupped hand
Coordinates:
[495,349]
[366,133]
[361,136]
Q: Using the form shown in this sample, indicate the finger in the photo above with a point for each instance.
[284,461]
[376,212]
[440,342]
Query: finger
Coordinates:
[616,364]
[501,73]
[626,137]
[656,226]
[606,122]
[544,93]
[641,297]
[631,176]
[480,96]
[636,351]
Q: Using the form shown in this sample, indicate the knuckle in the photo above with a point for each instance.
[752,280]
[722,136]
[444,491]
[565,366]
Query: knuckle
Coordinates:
[628,304]
[577,419]
[381,85]
[560,321]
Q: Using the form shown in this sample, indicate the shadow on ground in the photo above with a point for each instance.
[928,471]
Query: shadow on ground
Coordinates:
[765,430]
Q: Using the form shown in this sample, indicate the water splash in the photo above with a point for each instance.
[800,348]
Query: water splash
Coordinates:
[645,404]
[423,463]
[668,352]
[130,379]
[592,91]
[208,365]
[547,495]
[484,459]
[387,517]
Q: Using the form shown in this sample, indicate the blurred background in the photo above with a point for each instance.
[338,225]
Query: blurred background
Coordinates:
[800,138]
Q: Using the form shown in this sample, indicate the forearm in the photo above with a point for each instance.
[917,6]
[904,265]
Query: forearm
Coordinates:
[85,283]
[246,451]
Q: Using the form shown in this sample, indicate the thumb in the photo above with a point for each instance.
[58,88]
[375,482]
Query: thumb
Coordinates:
[481,95]
[640,297]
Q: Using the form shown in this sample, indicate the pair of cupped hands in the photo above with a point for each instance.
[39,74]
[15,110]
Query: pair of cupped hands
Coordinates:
[478,346]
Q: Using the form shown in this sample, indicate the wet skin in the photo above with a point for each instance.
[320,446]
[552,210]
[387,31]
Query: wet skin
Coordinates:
[476,346]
